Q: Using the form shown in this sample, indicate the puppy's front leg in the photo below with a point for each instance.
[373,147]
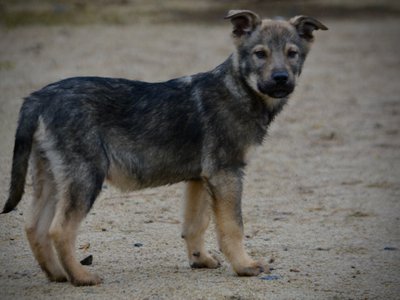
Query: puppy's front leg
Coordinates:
[226,190]
[197,218]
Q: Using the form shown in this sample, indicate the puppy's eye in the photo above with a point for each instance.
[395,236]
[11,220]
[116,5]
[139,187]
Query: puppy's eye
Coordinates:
[261,54]
[292,53]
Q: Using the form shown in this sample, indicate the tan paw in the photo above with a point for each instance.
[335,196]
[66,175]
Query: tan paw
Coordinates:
[55,275]
[254,269]
[87,279]
[58,278]
[204,260]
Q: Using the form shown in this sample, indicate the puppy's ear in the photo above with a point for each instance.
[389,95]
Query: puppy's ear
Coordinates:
[306,25]
[243,21]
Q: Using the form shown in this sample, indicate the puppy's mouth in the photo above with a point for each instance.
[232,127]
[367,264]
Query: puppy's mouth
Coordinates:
[276,91]
[279,94]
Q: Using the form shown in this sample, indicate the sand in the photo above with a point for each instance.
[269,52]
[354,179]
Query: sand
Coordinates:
[321,198]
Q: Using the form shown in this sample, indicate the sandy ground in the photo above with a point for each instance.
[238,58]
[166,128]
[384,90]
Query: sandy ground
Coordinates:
[322,196]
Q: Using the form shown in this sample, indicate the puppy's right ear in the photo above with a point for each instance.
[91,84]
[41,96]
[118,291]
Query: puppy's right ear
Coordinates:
[243,21]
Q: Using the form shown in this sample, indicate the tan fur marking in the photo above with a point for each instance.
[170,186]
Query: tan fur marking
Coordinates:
[63,232]
[229,227]
[38,222]
[252,82]
[196,220]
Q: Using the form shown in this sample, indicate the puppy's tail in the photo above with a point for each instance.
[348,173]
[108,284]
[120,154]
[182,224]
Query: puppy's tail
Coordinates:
[27,125]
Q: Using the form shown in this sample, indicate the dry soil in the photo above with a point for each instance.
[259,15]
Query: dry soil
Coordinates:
[321,198]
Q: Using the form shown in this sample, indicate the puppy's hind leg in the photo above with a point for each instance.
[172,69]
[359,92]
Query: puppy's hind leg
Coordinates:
[41,215]
[197,218]
[76,201]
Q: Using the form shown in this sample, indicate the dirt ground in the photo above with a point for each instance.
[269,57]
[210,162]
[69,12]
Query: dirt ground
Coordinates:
[321,198]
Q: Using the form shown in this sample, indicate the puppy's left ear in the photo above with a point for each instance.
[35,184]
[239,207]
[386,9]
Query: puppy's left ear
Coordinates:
[306,25]
[243,21]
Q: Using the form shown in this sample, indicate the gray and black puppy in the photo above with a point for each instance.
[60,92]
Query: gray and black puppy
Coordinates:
[81,131]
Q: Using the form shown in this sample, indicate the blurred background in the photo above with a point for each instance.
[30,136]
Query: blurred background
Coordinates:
[321,196]
[52,12]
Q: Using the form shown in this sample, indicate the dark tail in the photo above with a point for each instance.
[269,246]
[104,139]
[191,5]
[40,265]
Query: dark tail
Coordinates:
[27,124]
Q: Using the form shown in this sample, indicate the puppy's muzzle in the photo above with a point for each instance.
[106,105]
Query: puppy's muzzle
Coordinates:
[278,86]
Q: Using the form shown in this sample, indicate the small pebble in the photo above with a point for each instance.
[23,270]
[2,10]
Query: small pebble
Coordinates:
[271,260]
[388,248]
[87,261]
[322,249]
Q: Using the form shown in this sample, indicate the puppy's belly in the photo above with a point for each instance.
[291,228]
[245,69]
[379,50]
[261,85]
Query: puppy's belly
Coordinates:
[120,178]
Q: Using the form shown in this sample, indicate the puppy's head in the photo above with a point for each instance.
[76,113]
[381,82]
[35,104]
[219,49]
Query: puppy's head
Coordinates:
[270,53]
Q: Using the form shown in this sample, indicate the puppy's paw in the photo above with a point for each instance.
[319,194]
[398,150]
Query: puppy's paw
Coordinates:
[58,278]
[56,274]
[254,269]
[204,260]
[87,279]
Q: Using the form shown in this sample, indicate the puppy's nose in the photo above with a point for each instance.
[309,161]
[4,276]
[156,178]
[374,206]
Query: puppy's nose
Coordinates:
[280,77]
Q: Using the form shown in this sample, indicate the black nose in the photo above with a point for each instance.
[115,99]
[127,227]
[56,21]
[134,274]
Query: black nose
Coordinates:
[280,77]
